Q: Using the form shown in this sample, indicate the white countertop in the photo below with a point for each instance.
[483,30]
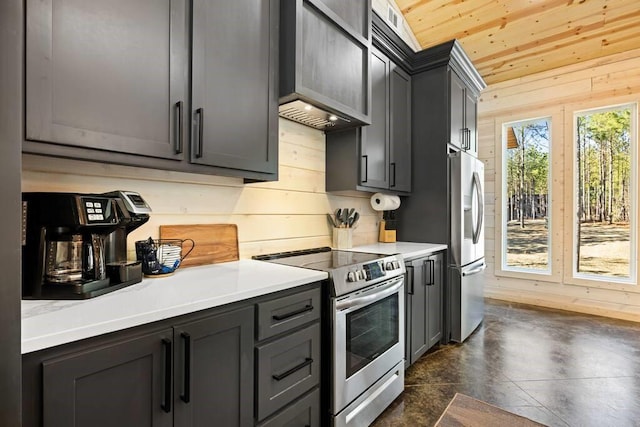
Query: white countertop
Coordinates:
[47,323]
[408,250]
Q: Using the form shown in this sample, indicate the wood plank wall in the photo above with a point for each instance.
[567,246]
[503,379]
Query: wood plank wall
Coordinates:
[596,83]
[271,217]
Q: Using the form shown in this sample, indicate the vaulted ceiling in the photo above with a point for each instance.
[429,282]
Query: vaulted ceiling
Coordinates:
[507,39]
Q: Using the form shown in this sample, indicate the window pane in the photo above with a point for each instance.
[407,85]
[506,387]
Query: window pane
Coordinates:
[526,204]
[604,197]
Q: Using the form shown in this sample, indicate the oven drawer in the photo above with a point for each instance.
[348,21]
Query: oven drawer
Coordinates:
[304,412]
[287,368]
[283,314]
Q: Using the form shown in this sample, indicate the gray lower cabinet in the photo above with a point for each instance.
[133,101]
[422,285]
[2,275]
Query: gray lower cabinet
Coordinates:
[167,84]
[424,305]
[302,413]
[199,369]
[126,383]
[288,360]
[378,156]
[213,370]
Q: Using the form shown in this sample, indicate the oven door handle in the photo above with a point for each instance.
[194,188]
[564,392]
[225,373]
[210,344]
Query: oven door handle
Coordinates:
[367,299]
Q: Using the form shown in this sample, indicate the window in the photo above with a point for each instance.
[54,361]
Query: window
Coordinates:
[604,225]
[526,205]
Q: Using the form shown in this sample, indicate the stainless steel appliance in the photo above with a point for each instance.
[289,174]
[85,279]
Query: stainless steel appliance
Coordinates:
[74,245]
[466,278]
[447,206]
[365,321]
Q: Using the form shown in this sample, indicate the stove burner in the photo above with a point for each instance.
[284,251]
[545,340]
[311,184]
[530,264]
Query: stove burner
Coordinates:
[348,271]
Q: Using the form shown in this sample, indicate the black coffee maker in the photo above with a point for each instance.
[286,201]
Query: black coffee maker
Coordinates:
[74,245]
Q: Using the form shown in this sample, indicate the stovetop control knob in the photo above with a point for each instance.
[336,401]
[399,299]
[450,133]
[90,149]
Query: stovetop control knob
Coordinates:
[351,277]
[389,266]
[396,264]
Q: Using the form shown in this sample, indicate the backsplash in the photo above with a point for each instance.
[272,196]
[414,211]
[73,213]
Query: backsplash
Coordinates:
[274,216]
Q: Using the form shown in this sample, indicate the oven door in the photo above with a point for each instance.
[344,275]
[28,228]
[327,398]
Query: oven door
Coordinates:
[367,339]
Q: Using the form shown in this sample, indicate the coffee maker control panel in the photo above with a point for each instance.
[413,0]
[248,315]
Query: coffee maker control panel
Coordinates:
[97,210]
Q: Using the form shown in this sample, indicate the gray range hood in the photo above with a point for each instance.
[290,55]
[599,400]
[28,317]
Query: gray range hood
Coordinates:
[324,63]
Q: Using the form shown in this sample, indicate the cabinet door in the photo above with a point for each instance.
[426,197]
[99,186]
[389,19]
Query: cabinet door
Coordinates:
[470,109]
[400,130]
[456,110]
[374,145]
[123,384]
[419,315]
[214,371]
[107,74]
[435,268]
[234,86]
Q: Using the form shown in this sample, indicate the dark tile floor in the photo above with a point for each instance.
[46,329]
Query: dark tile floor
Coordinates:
[555,367]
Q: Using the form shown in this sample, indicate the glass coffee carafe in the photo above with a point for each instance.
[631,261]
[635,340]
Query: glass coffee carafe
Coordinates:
[75,258]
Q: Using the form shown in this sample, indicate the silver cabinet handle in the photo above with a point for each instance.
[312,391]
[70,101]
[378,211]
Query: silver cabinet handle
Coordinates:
[369,298]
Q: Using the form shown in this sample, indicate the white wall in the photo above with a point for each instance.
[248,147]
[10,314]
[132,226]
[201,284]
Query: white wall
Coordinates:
[558,93]
[284,215]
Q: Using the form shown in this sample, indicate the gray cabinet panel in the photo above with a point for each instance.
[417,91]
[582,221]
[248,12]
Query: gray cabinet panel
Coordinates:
[375,137]
[344,60]
[107,75]
[287,368]
[355,13]
[234,86]
[378,156]
[424,305]
[463,115]
[418,296]
[305,412]
[213,370]
[456,110]
[400,129]
[96,387]
[11,130]
[471,122]
[283,314]
[435,299]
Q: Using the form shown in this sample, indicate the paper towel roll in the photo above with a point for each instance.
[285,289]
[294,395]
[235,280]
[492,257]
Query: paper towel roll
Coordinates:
[385,202]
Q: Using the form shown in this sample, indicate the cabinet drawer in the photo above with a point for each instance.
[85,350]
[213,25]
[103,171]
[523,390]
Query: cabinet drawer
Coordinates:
[304,412]
[287,368]
[282,314]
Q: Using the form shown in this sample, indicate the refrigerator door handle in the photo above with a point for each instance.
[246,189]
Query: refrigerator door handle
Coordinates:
[478,186]
[476,270]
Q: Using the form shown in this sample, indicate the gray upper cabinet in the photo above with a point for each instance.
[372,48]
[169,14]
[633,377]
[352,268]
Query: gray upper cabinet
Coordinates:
[107,75]
[374,147]
[378,156]
[399,129]
[324,48]
[111,81]
[234,87]
[463,115]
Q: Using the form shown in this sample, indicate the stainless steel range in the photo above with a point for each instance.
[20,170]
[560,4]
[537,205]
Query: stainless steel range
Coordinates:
[365,319]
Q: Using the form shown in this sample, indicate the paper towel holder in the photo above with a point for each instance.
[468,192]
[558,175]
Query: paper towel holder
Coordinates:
[387,204]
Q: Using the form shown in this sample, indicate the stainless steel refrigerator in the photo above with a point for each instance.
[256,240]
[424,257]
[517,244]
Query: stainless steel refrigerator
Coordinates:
[466,245]
[447,206]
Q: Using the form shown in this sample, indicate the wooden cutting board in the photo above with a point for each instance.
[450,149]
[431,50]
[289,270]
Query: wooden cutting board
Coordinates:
[214,243]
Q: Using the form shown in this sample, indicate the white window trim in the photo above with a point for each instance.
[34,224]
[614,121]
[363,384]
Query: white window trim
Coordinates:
[571,276]
[556,189]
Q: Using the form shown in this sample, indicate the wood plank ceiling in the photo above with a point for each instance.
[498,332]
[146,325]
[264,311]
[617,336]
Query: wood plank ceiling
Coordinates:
[507,39]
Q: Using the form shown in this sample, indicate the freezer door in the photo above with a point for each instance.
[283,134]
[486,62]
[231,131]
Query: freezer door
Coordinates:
[467,208]
[466,303]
